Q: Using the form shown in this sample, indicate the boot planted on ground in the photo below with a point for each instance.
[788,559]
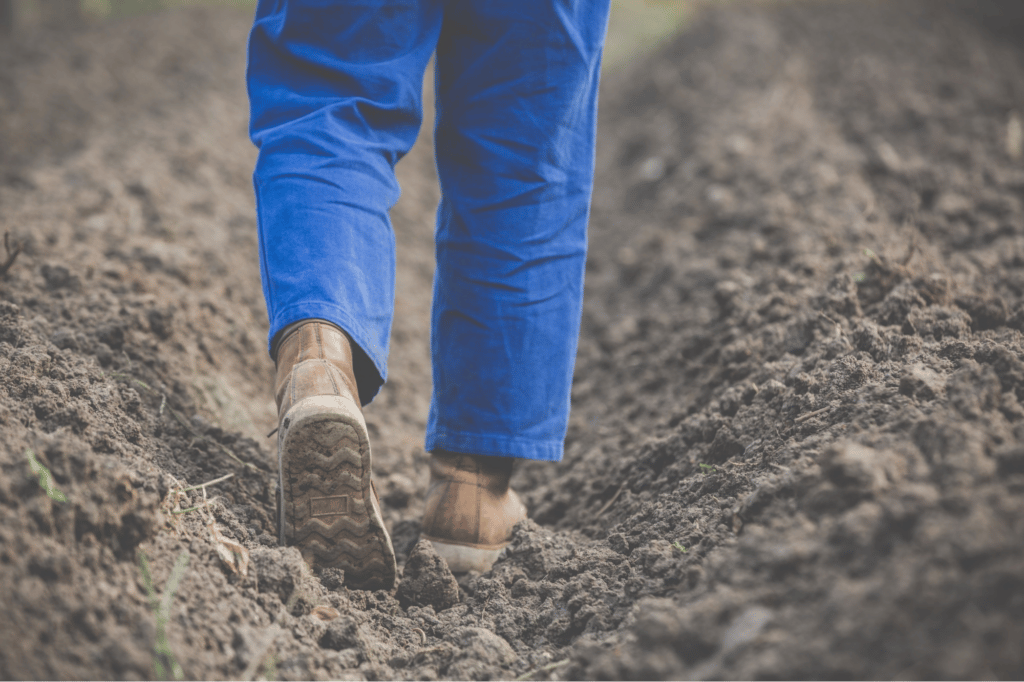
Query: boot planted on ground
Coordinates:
[470,509]
[327,506]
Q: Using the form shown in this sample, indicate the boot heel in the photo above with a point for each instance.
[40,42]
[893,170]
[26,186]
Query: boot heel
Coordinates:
[463,559]
[326,506]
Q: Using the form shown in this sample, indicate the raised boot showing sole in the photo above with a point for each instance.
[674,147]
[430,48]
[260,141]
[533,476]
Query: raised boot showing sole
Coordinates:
[327,505]
[470,510]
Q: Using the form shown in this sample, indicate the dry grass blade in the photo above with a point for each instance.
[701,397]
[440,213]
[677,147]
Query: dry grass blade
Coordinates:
[12,254]
[201,486]
[543,669]
[233,554]
[610,502]
[178,493]
[325,613]
[230,551]
[811,415]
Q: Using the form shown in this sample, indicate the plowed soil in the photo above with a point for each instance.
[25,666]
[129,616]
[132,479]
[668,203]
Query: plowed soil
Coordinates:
[797,442]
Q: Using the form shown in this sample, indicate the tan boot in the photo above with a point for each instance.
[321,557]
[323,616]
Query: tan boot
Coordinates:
[328,507]
[470,509]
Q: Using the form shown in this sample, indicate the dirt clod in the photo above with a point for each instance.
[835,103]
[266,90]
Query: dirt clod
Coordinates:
[427,580]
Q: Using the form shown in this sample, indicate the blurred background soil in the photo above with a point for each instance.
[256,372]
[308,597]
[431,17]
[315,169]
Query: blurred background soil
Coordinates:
[797,439]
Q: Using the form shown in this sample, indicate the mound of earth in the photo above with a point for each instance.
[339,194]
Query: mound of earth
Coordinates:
[797,441]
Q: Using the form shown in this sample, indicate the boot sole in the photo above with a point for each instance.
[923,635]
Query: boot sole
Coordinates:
[325,502]
[463,559]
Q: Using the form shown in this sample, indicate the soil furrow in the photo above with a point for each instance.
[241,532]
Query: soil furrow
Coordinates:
[797,440]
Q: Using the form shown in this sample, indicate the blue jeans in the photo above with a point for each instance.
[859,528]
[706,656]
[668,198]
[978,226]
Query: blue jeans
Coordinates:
[335,90]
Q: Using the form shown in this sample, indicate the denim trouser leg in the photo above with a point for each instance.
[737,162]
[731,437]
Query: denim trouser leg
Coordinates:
[335,94]
[516,87]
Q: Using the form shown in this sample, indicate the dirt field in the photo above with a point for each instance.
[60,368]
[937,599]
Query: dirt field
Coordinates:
[797,442]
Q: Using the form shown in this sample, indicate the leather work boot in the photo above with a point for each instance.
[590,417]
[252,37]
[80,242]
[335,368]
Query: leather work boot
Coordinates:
[327,505]
[470,509]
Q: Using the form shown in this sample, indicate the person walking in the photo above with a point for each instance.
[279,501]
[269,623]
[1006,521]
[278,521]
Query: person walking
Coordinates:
[335,91]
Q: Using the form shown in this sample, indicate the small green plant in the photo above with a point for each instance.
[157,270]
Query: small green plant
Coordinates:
[680,547]
[129,379]
[163,658]
[45,478]
[270,668]
[707,468]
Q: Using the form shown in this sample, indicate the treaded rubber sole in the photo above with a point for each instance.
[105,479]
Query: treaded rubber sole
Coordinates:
[463,559]
[326,506]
